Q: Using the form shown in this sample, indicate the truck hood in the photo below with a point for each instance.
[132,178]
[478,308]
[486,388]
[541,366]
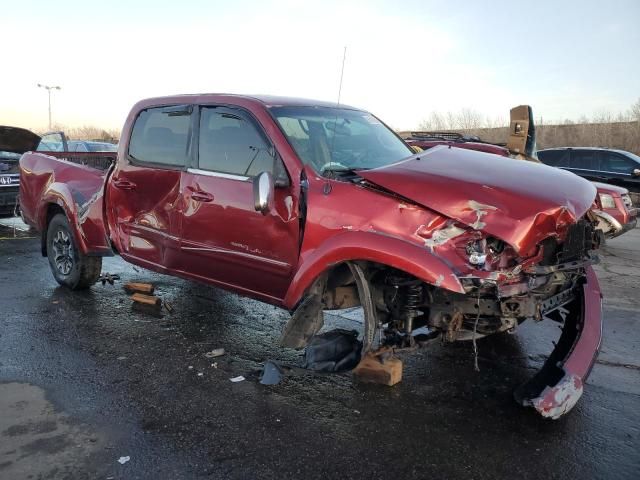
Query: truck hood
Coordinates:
[17,140]
[519,202]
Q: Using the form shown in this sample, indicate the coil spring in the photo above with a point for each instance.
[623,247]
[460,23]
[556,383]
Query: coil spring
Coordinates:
[412,301]
[413,298]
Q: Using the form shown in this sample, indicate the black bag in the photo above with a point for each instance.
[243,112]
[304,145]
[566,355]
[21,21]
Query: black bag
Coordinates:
[334,351]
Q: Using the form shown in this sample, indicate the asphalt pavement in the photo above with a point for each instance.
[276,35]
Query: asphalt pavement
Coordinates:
[90,388]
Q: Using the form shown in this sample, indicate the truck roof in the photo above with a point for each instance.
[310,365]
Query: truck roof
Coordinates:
[264,100]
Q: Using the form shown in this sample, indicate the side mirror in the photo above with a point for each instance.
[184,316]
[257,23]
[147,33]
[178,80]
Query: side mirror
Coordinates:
[263,192]
[636,172]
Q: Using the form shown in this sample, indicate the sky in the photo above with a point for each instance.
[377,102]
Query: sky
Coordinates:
[404,59]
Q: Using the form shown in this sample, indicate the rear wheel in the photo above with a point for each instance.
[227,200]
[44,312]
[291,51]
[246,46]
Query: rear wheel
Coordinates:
[70,267]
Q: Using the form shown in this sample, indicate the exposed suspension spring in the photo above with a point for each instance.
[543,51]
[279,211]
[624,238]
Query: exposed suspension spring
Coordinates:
[413,299]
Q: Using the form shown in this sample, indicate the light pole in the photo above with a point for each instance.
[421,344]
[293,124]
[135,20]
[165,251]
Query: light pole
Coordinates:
[49,88]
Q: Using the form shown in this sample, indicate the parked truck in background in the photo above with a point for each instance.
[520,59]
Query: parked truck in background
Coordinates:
[310,206]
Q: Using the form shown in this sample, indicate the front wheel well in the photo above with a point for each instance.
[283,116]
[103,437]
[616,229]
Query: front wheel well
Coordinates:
[52,210]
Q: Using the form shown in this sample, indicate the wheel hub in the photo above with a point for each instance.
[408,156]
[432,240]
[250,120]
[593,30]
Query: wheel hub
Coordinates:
[63,252]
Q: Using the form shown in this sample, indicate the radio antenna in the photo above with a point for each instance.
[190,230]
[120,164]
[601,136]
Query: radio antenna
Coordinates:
[344,57]
[335,121]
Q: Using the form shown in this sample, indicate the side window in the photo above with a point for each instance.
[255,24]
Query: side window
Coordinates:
[584,159]
[554,158]
[613,162]
[230,143]
[161,135]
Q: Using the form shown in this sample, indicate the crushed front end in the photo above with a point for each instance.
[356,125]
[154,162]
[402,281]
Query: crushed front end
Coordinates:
[502,290]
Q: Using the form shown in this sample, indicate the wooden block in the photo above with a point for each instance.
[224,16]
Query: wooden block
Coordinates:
[146,299]
[133,287]
[373,369]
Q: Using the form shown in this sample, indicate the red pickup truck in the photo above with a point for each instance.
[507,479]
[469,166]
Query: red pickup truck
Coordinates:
[311,206]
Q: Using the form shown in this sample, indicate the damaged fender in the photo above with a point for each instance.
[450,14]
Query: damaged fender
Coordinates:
[83,206]
[374,247]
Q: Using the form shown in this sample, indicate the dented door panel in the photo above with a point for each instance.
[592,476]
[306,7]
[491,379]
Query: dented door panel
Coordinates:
[142,202]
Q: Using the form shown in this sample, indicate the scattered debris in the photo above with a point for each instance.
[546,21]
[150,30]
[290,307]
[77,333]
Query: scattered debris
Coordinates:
[272,374]
[146,299]
[190,367]
[168,306]
[218,352]
[122,358]
[237,379]
[381,367]
[123,460]
[108,278]
[138,287]
[200,374]
[334,351]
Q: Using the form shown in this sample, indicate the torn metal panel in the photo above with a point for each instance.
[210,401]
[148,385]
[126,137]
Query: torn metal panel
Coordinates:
[440,237]
[480,210]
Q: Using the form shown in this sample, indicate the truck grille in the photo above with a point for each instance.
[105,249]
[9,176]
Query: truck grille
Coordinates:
[579,241]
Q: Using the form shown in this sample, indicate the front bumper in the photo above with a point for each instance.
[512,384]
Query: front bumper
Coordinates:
[558,386]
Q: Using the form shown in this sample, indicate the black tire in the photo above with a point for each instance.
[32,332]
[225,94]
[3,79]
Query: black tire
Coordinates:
[70,267]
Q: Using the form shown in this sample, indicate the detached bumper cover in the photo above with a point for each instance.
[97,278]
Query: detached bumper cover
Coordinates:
[558,386]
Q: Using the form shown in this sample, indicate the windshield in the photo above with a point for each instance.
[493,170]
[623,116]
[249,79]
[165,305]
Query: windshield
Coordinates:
[336,139]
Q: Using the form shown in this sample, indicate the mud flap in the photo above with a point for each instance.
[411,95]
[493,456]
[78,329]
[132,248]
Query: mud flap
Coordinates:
[304,323]
[558,386]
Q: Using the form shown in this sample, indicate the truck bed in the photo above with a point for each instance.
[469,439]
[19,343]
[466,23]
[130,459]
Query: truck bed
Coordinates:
[69,182]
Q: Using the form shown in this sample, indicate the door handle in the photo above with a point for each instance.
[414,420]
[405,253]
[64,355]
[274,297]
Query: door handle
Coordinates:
[200,196]
[124,184]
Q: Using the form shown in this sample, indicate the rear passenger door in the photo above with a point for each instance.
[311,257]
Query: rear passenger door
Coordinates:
[144,187]
[223,238]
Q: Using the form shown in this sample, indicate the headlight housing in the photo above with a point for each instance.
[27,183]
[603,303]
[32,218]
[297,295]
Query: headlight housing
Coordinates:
[607,201]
